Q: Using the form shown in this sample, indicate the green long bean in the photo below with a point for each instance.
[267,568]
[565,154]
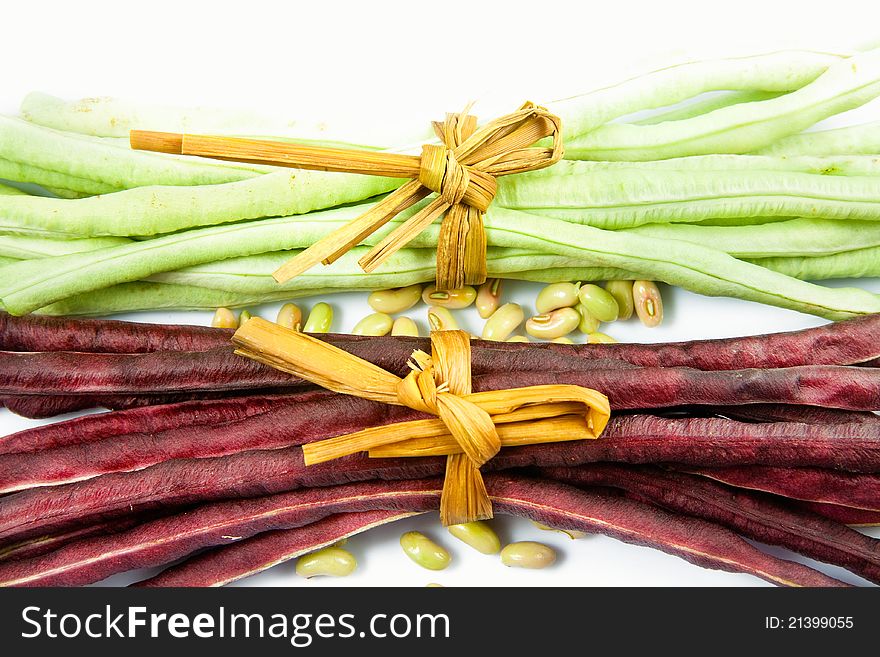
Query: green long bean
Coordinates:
[742,128]
[146,211]
[739,221]
[793,238]
[858,263]
[144,296]
[707,104]
[574,273]
[253,274]
[693,267]
[834,165]
[114,117]
[861,139]
[26,247]
[25,173]
[778,71]
[115,166]
[63,192]
[630,196]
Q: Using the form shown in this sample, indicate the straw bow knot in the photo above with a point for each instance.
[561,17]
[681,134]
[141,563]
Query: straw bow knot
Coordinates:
[441,172]
[468,428]
[462,170]
[441,391]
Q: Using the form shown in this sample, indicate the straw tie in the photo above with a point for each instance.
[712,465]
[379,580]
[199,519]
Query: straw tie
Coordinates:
[461,171]
[468,428]
[440,172]
[438,385]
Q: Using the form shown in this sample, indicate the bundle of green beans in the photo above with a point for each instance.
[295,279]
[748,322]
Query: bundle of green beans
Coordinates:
[718,190]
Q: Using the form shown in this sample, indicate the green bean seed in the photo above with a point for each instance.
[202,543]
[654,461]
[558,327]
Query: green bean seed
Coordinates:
[320,319]
[440,319]
[600,338]
[404,326]
[455,299]
[554,324]
[290,316]
[224,318]
[574,534]
[328,561]
[425,552]
[395,300]
[375,324]
[571,533]
[557,295]
[601,304]
[479,535]
[563,340]
[243,317]
[503,322]
[518,338]
[528,554]
[488,297]
[622,291]
[648,303]
[588,324]
[433,585]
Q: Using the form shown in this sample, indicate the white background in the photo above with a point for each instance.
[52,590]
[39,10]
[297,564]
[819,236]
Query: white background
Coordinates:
[401,63]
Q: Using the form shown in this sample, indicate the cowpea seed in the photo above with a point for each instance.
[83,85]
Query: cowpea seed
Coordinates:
[588,324]
[479,535]
[395,300]
[557,295]
[528,554]
[648,303]
[328,561]
[290,316]
[424,552]
[224,318]
[440,319]
[503,322]
[518,338]
[622,291]
[574,534]
[488,297]
[404,326]
[599,302]
[375,324]
[320,319]
[554,324]
[243,317]
[571,533]
[455,299]
[600,338]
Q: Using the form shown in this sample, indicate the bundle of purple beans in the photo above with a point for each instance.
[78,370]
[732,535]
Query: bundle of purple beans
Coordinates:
[771,438]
